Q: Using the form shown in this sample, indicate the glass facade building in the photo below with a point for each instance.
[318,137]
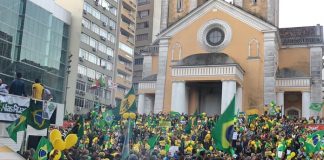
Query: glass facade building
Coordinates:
[33,42]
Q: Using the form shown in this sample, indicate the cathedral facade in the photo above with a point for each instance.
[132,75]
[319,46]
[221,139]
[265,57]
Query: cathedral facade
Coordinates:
[210,51]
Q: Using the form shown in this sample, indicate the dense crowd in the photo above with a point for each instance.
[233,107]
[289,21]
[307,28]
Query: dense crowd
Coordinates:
[257,137]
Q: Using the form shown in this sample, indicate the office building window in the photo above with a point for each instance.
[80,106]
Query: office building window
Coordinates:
[126,48]
[93,43]
[103,33]
[95,28]
[142,37]
[102,48]
[142,25]
[113,10]
[81,86]
[85,38]
[139,61]
[143,14]
[142,2]
[88,103]
[79,102]
[82,70]
[86,23]
[104,19]
[110,52]
[91,73]
[112,24]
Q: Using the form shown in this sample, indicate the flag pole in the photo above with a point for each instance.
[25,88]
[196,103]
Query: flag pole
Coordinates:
[23,143]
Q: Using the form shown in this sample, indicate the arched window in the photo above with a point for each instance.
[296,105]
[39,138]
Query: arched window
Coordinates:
[254,48]
[293,112]
[254,2]
[176,52]
[179,5]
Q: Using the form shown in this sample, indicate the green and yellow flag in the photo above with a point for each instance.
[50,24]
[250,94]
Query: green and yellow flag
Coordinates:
[223,129]
[44,147]
[19,124]
[152,141]
[78,127]
[316,107]
[128,104]
[35,118]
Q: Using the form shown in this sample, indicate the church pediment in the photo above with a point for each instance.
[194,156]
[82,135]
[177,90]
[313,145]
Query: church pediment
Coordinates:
[215,5]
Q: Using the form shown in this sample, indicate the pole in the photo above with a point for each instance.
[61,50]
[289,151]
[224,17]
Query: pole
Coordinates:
[23,143]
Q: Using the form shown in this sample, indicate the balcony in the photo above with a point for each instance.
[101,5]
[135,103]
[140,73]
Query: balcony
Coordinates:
[124,82]
[146,87]
[126,39]
[128,14]
[128,27]
[130,3]
[213,72]
[125,55]
[293,84]
[119,94]
[124,68]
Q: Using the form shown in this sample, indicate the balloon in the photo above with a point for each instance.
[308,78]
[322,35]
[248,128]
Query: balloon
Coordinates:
[132,115]
[70,141]
[57,156]
[293,154]
[55,134]
[125,115]
[59,144]
[211,148]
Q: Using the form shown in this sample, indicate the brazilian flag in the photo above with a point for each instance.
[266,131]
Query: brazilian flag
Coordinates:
[128,104]
[223,129]
[43,149]
[35,118]
[19,124]
[78,128]
[316,107]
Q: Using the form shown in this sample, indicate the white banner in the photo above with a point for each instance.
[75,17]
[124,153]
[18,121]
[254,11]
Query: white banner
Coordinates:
[12,106]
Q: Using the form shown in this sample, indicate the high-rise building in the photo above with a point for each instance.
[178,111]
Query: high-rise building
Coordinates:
[34,37]
[126,44]
[102,45]
[147,27]
[93,46]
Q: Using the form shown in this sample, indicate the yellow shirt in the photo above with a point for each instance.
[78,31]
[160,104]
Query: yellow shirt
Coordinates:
[38,90]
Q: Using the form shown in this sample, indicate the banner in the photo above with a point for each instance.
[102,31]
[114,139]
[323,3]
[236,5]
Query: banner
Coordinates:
[165,123]
[315,126]
[48,109]
[12,106]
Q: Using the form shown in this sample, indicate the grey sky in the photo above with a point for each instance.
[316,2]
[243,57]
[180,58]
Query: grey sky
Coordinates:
[294,13]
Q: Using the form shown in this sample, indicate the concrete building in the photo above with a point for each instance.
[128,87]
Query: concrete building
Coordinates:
[147,28]
[102,45]
[210,51]
[126,44]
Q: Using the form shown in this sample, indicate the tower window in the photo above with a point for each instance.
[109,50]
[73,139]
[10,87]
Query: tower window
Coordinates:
[254,2]
[179,6]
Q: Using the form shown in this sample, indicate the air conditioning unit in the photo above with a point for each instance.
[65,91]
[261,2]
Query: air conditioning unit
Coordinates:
[104,8]
[80,75]
[104,67]
[96,3]
[82,24]
[78,108]
[84,11]
[110,27]
[94,49]
[82,93]
[81,59]
[104,24]
[90,79]
[109,57]
[97,97]
[102,38]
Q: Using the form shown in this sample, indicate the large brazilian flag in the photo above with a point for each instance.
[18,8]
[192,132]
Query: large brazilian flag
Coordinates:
[19,124]
[128,104]
[35,118]
[223,129]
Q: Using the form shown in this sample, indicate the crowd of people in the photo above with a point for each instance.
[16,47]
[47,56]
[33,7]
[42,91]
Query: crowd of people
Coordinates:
[17,87]
[259,137]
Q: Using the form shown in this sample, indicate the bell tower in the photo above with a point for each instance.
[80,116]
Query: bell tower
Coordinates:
[268,10]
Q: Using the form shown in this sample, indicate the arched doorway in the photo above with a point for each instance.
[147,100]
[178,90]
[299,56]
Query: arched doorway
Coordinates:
[293,112]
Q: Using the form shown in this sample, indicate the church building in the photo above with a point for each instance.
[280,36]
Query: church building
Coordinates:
[209,51]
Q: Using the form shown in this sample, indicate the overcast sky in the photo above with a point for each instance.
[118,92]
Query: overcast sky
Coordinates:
[294,13]
[301,13]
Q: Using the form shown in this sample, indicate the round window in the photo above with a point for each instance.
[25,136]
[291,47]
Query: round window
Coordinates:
[215,36]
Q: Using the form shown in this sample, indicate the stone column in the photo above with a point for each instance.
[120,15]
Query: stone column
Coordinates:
[316,74]
[141,103]
[305,104]
[270,66]
[239,99]
[160,82]
[228,91]
[179,97]
[164,14]
[281,101]
[147,66]
[148,103]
